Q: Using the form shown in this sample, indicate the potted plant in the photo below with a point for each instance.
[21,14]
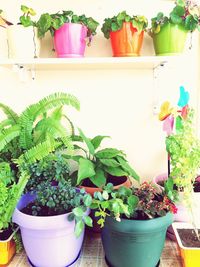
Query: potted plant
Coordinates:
[23,41]
[134,222]
[69,31]
[26,139]
[100,166]
[183,148]
[3,35]
[169,33]
[52,215]
[126,33]
[188,242]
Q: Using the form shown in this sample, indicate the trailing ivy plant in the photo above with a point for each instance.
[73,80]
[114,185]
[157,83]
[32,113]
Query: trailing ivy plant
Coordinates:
[99,164]
[27,138]
[115,23]
[143,203]
[185,13]
[52,22]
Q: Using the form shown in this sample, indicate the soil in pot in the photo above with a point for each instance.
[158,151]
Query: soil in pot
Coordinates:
[111,179]
[189,238]
[6,234]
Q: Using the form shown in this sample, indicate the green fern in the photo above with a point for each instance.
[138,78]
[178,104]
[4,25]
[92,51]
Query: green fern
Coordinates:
[7,135]
[32,112]
[5,123]
[11,115]
[38,152]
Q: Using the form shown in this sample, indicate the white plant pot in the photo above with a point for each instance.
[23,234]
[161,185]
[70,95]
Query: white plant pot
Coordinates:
[3,43]
[23,42]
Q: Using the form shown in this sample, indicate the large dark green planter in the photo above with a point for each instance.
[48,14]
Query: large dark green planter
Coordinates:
[170,40]
[132,243]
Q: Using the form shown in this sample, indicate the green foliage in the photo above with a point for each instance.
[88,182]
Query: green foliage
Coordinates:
[98,165]
[184,150]
[25,19]
[55,200]
[143,203]
[54,167]
[26,139]
[52,22]
[115,23]
[185,13]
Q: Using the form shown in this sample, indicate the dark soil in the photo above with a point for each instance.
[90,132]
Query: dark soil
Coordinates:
[45,211]
[6,234]
[189,238]
[196,186]
[111,179]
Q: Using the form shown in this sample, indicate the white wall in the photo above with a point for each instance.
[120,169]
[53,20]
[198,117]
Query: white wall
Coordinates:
[118,103]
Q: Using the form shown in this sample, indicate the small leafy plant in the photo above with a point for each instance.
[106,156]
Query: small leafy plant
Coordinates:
[52,22]
[57,198]
[98,164]
[115,23]
[185,13]
[143,203]
[26,19]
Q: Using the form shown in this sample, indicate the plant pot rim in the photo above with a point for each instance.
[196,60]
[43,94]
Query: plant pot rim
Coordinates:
[178,26]
[72,23]
[183,225]
[11,236]
[168,214]
[39,222]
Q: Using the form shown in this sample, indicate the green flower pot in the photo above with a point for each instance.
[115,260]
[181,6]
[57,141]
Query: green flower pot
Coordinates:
[134,243]
[170,40]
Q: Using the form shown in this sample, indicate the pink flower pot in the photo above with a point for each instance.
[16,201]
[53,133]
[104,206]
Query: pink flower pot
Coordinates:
[69,40]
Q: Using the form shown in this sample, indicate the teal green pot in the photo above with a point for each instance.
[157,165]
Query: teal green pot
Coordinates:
[134,243]
[170,40]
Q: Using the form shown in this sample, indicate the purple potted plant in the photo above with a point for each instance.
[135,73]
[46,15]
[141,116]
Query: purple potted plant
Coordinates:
[52,216]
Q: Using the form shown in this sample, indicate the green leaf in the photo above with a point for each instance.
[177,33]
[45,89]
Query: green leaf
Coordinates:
[108,153]
[88,142]
[99,178]
[44,24]
[181,2]
[160,15]
[179,10]
[115,207]
[114,27]
[128,168]
[116,171]
[79,228]
[110,162]
[132,203]
[88,221]
[87,199]
[86,169]
[71,217]
[96,141]
[24,9]
[78,212]
[32,12]
[175,18]
[105,195]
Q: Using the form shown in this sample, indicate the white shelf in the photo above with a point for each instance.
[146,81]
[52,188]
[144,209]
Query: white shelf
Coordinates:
[92,63]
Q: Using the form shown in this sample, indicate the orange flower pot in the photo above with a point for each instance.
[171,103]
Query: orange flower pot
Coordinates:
[126,42]
[7,251]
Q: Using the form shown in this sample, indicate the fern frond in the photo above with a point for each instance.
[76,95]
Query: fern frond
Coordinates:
[32,112]
[5,123]
[38,152]
[7,135]
[11,114]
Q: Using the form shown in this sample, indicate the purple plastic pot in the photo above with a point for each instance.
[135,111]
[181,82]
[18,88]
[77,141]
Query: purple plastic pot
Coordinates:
[69,40]
[48,241]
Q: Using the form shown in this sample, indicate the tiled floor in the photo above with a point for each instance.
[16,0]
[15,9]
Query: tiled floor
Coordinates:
[93,255]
